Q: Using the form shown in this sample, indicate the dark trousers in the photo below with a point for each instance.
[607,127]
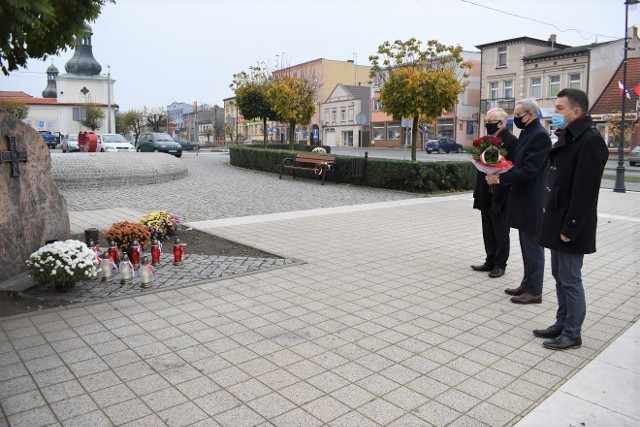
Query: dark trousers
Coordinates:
[567,270]
[495,233]
[533,259]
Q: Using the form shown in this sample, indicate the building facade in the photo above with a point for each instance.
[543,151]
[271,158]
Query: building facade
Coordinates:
[345,117]
[66,96]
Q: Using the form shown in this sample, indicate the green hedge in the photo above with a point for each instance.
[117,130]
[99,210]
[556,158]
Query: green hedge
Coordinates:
[392,174]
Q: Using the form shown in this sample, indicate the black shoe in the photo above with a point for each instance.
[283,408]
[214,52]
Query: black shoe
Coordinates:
[496,272]
[563,343]
[483,267]
[550,332]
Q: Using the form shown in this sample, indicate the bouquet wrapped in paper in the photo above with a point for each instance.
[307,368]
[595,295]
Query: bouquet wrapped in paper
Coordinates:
[487,154]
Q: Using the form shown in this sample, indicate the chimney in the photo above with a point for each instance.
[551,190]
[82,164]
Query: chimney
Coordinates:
[552,40]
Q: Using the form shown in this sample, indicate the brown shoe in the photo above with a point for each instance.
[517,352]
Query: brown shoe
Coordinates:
[514,291]
[527,299]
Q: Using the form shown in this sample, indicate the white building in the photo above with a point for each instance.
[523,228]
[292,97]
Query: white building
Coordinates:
[66,96]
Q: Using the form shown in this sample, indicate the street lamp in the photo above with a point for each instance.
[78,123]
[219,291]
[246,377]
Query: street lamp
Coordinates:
[619,184]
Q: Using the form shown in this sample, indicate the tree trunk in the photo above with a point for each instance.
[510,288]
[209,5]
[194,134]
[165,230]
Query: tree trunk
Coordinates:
[414,137]
[292,130]
[265,133]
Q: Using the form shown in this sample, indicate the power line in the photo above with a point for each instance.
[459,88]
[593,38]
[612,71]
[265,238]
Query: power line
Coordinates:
[444,22]
[541,22]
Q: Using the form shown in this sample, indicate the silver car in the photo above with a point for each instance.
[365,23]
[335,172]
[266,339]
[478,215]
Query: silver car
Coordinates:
[70,143]
[113,142]
[634,156]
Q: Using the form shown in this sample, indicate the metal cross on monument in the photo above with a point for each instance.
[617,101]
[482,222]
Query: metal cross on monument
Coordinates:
[13,156]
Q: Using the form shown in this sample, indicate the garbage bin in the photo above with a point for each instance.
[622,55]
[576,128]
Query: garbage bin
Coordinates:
[87,142]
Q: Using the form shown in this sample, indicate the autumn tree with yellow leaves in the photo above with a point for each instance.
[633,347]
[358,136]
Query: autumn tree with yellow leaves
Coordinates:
[292,100]
[418,81]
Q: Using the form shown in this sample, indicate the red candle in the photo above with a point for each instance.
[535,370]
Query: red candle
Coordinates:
[156,248]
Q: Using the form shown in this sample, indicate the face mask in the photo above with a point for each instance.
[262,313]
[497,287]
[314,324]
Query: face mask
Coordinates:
[518,122]
[558,120]
[491,128]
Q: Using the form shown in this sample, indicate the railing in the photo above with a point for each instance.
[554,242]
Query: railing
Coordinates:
[507,104]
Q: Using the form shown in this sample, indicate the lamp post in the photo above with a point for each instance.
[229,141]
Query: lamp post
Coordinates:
[109,99]
[619,184]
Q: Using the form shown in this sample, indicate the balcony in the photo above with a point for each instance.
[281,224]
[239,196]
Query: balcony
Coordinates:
[507,104]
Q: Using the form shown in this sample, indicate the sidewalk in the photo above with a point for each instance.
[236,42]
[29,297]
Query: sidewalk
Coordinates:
[382,323]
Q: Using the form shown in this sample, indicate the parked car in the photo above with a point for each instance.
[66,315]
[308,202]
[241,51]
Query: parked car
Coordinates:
[49,138]
[443,145]
[113,142]
[187,145]
[69,144]
[159,141]
[634,156]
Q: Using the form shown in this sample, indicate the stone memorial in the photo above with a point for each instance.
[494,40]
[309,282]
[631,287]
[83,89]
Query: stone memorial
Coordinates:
[32,210]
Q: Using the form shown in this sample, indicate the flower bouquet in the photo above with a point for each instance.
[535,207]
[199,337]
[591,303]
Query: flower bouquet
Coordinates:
[124,233]
[161,224]
[62,263]
[487,154]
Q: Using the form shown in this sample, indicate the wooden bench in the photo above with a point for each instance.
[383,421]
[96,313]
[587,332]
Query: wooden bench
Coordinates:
[321,165]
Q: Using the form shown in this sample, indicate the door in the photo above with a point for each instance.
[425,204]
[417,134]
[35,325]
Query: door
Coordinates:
[330,139]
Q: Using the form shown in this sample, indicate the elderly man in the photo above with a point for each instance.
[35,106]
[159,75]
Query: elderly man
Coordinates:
[528,180]
[570,213]
[493,205]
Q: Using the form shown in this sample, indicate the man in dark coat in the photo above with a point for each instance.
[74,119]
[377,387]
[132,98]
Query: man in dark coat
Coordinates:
[528,181]
[569,218]
[493,205]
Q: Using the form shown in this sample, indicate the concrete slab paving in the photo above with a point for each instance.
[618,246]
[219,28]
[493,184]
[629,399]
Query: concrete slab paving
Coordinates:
[383,323]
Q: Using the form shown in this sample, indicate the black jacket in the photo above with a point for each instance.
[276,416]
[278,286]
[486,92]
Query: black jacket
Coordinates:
[482,198]
[577,163]
[528,178]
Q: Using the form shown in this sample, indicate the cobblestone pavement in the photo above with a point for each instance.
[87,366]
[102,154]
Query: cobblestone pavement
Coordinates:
[214,190]
[195,269]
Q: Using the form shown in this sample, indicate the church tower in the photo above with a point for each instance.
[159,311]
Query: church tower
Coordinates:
[50,91]
[83,62]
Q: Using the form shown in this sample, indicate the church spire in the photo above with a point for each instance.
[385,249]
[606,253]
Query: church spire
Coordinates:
[83,61]
[51,91]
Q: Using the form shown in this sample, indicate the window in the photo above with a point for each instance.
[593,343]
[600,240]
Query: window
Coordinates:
[378,132]
[334,116]
[327,116]
[508,88]
[502,56]
[554,86]
[343,115]
[574,81]
[493,90]
[79,114]
[393,131]
[444,128]
[535,87]
[377,105]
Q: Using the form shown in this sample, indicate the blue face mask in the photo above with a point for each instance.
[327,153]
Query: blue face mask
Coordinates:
[558,120]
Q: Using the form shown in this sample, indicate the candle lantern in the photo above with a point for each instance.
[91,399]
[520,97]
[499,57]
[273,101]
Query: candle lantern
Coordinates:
[108,267]
[177,252]
[146,273]
[114,252]
[135,254]
[126,270]
[156,249]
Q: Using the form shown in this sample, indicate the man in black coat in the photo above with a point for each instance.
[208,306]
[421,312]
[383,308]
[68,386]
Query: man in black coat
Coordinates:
[528,181]
[570,212]
[493,205]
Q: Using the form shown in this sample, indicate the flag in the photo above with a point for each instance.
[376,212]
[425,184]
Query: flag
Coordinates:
[636,88]
[621,88]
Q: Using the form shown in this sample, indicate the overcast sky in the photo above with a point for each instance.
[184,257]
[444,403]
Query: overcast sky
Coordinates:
[161,51]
